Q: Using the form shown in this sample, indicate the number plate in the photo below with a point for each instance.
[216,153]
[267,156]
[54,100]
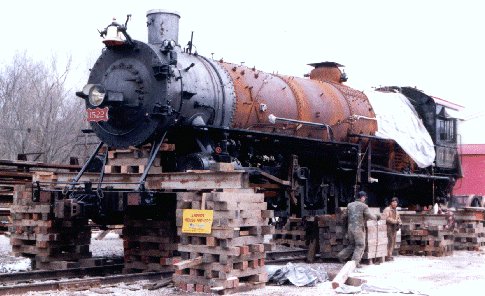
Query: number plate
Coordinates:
[97,114]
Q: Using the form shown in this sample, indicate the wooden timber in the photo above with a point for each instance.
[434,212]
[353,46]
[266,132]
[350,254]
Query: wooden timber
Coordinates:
[343,274]
[292,234]
[426,234]
[194,180]
[149,241]
[332,235]
[470,229]
[50,242]
[376,241]
[231,258]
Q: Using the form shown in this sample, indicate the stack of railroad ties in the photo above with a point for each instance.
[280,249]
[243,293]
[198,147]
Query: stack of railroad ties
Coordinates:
[439,234]
[230,256]
[13,173]
[426,234]
[332,238]
[33,232]
[422,233]
[470,229]
[292,234]
[52,244]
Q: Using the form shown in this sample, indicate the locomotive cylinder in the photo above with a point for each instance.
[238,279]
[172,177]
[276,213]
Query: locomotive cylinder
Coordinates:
[162,25]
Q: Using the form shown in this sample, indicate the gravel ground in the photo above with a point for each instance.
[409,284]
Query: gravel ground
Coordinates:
[110,245]
[462,273]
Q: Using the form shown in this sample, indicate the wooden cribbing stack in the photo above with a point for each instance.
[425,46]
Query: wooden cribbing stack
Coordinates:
[292,234]
[150,244]
[470,230]
[425,234]
[133,160]
[231,258]
[51,243]
[20,172]
[332,235]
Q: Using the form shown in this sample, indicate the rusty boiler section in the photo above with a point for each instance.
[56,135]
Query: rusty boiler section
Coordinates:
[321,99]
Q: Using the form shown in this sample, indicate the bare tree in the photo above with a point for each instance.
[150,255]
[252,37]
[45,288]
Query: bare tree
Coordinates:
[39,114]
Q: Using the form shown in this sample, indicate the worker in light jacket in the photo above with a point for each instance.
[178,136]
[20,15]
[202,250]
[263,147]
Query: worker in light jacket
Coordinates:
[393,222]
[357,214]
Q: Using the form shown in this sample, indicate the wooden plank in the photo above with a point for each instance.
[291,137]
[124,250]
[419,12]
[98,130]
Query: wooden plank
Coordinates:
[233,251]
[351,281]
[233,214]
[148,266]
[198,180]
[234,205]
[235,197]
[343,274]
[242,273]
[190,279]
[240,241]
[31,209]
[188,263]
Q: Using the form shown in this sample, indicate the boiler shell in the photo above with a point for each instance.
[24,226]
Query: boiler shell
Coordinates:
[258,94]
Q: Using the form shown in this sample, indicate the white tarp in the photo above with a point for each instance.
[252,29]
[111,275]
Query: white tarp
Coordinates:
[397,120]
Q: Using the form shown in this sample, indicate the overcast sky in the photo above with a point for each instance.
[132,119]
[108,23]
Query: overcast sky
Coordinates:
[436,46]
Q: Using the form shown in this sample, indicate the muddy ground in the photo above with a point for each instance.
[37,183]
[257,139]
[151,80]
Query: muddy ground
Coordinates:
[462,273]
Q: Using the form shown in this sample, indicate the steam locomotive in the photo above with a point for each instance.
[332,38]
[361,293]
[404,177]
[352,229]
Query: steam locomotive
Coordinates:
[308,143]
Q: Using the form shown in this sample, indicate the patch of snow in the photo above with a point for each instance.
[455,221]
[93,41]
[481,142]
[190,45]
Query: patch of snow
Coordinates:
[23,264]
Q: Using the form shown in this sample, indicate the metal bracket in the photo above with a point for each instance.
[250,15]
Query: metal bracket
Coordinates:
[75,180]
[153,154]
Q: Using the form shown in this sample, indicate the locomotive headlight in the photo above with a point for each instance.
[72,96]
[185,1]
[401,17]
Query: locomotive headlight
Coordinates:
[96,95]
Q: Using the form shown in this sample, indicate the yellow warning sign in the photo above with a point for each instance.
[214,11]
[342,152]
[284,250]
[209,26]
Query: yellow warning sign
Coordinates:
[197,221]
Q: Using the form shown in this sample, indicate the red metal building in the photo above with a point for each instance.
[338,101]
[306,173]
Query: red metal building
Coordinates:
[473,166]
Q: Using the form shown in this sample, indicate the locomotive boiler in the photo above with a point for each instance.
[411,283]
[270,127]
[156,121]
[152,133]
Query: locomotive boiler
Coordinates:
[308,143]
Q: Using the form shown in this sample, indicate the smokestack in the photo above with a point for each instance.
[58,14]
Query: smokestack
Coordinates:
[162,25]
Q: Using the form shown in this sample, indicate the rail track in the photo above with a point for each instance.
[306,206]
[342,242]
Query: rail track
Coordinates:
[89,277]
[23,282]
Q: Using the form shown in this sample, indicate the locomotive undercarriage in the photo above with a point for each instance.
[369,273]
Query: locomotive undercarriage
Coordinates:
[299,176]
[311,177]
[293,183]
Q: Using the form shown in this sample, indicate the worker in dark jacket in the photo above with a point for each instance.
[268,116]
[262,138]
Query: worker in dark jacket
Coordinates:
[358,213]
